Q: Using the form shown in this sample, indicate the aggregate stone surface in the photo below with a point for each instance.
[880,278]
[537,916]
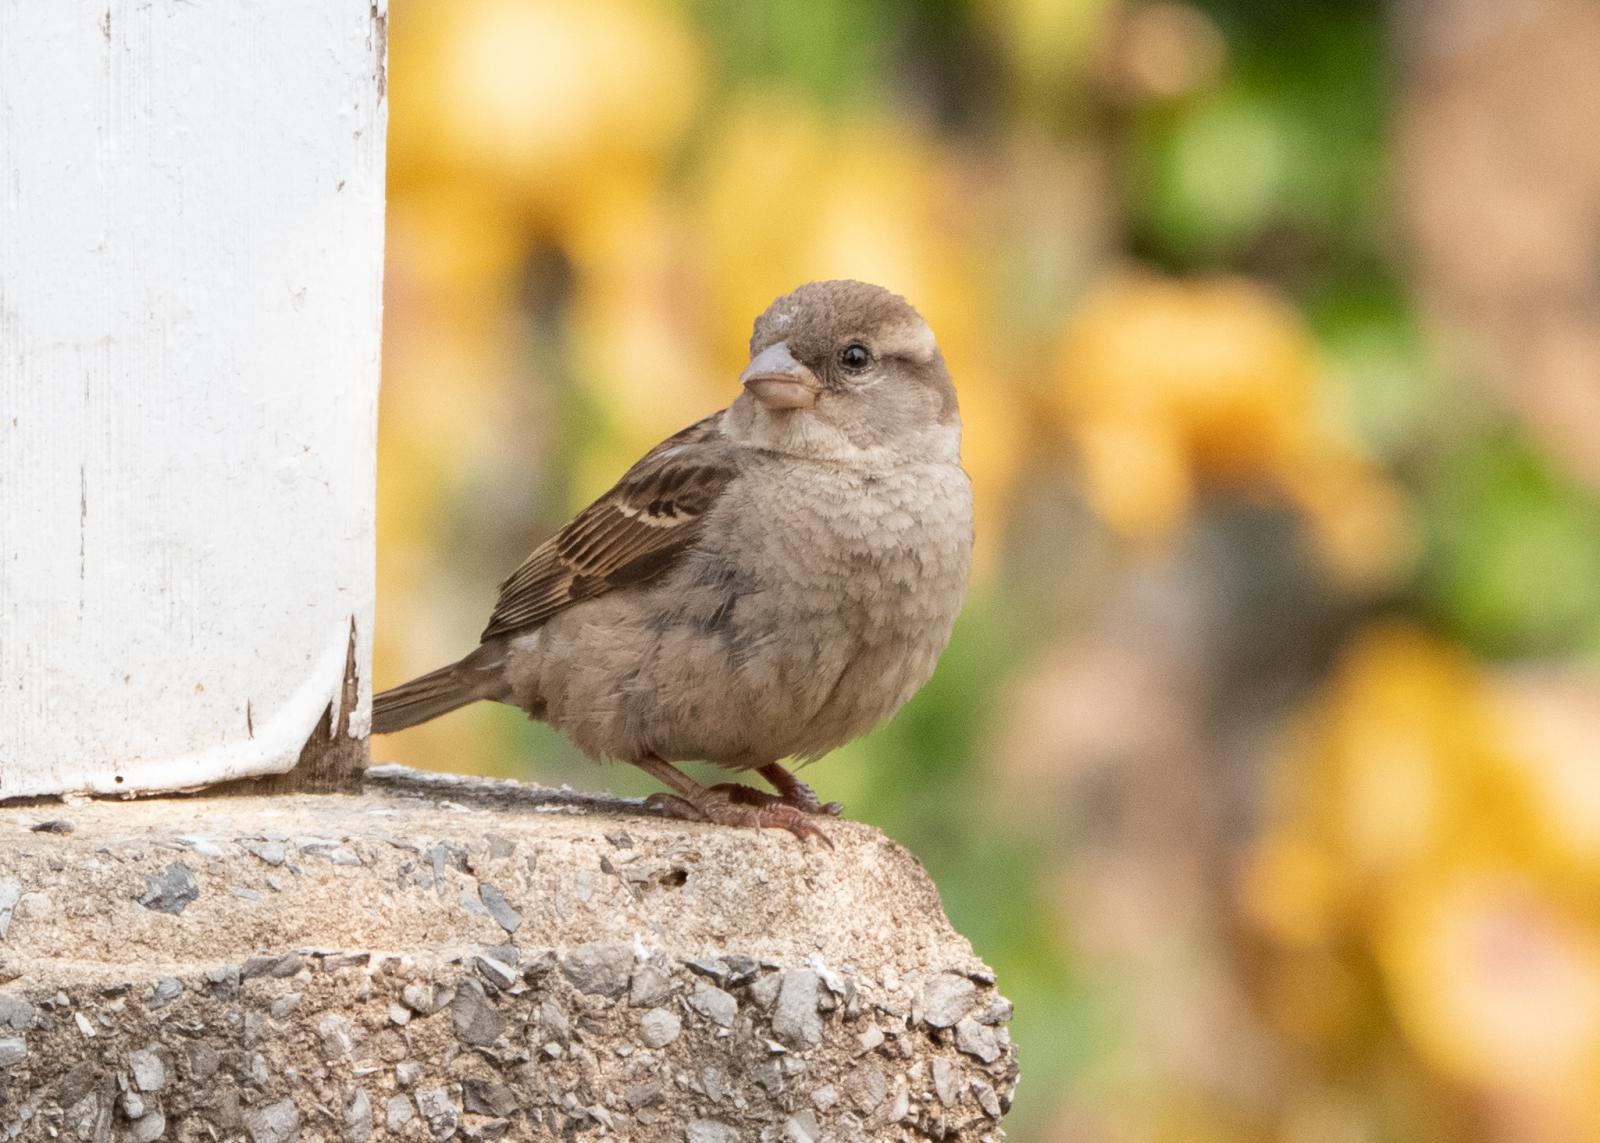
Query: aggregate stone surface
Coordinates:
[442,958]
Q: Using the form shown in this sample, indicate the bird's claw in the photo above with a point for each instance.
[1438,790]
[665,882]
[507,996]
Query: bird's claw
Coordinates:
[741,806]
[802,799]
[793,792]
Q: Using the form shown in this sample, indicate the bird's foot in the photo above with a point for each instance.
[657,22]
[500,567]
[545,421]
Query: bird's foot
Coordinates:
[803,799]
[794,792]
[734,805]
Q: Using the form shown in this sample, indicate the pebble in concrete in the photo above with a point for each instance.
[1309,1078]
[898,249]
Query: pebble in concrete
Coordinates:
[765,990]
[272,852]
[276,967]
[439,1110]
[148,1128]
[335,1035]
[986,1099]
[15,1012]
[802,1127]
[275,1123]
[475,1019]
[34,906]
[149,1072]
[203,1060]
[164,992]
[714,1004]
[946,998]
[357,1115]
[171,890]
[642,1095]
[398,1112]
[649,987]
[552,1020]
[204,846]
[329,851]
[486,1097]
[658,1028]
[599,969]
[223,980]
[999,1011]
[425,999]
[470,902]
[10,894]
[977,1041]
[496,972]
[283,1007]
[500,847]
[499,908]
[867,1087]
[868,1039]
[795,1021]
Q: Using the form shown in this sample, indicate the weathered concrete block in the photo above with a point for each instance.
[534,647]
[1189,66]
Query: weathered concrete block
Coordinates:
[447,958]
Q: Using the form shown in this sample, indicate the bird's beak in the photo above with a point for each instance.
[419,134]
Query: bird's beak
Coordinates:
[778,381]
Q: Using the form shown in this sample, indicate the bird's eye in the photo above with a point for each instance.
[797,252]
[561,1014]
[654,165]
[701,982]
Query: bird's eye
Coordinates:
[855,356]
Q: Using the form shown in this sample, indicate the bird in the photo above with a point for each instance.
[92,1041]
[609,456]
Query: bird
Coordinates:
[763,586]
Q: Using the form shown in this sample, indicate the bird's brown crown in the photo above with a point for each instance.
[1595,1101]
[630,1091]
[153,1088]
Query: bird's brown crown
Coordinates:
[816,317]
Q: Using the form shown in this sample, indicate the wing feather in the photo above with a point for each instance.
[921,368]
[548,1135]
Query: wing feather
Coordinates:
[629,536]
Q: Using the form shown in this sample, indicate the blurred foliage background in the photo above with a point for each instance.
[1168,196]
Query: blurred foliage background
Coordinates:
[1265,763]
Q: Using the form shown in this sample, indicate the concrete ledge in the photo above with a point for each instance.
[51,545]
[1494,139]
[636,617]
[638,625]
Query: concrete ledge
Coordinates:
[443,958]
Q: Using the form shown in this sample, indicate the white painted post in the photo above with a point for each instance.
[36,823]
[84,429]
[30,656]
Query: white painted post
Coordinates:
[191,246]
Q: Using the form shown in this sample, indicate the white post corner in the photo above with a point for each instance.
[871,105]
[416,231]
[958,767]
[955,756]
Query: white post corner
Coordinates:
[191,253]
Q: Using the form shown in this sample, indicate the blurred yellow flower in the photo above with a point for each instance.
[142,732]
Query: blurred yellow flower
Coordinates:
[1293,889]
[636,328]
[1393,768]
[1440,822]
[1497,983]
[545,100]
[1167,387]
[1554,713]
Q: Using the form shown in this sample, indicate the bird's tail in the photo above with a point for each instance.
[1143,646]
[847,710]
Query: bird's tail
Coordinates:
[440,692]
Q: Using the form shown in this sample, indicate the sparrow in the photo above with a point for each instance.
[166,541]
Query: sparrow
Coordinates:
[765,585]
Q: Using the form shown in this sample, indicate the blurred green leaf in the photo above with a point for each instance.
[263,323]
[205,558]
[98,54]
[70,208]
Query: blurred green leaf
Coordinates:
[1287,152]
[1215,174]
[1370,337]
[1514,554]
[836,51]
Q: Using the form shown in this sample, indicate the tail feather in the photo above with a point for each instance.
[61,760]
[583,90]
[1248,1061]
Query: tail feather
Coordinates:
[438,692]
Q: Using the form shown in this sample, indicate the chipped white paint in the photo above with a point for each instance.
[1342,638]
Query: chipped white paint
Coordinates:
[191,244]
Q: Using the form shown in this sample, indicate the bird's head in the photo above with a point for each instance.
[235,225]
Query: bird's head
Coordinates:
[846,371]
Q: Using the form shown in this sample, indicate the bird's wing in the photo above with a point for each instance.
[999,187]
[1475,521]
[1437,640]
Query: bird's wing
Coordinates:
[630,535]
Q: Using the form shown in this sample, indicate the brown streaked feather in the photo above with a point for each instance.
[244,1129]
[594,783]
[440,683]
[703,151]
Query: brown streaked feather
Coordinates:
[630,535]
